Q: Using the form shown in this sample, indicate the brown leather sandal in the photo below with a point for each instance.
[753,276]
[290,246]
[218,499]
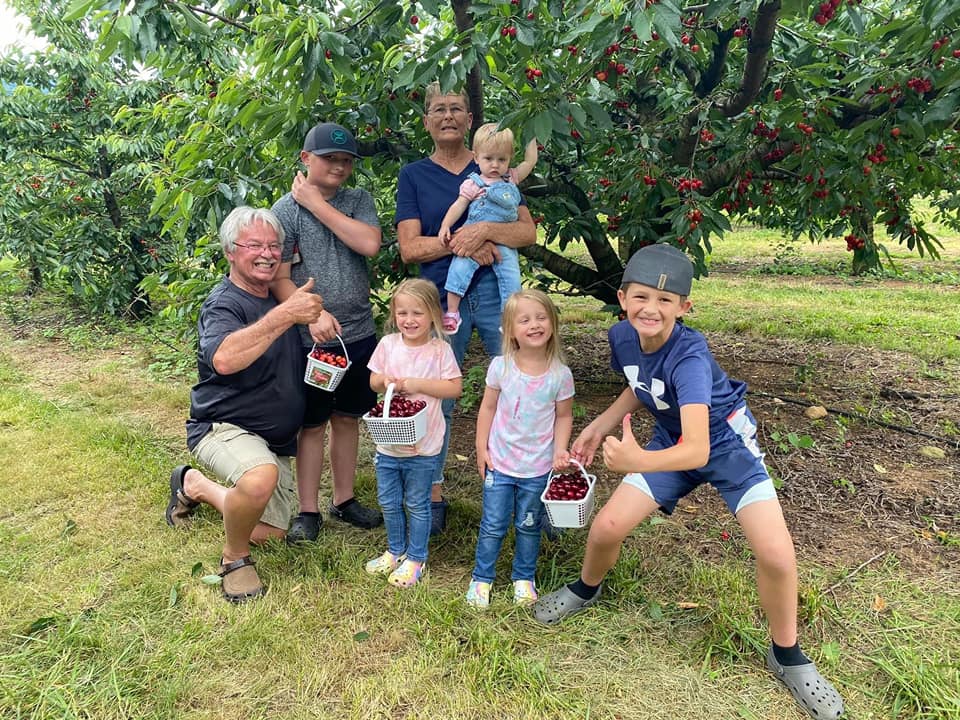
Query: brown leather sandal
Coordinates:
[240,581]
[181,506]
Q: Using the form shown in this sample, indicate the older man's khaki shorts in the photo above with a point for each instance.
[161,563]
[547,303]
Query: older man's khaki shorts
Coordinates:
[230,451]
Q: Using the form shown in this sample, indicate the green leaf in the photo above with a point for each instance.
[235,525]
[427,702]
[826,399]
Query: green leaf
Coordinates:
[542,126]
[172,599]
[78,9]
[666,17]
[361,636]
[526,36]
[211,579]
[942,109]
[196,569]
[193,22]
[431,7]
[42,623]
[853,12]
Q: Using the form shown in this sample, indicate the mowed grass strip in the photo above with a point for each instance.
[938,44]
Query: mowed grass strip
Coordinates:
[921,320]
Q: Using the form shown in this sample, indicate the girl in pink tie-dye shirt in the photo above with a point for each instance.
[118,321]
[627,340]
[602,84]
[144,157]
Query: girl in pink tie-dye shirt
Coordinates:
[523,429]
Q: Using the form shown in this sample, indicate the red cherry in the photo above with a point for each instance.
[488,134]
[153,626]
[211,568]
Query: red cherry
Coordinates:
[414,19]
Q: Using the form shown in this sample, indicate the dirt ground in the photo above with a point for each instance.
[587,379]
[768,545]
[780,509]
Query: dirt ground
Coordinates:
[865,487]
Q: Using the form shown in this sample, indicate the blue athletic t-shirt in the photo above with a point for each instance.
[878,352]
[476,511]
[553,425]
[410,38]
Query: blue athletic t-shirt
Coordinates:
[682,372]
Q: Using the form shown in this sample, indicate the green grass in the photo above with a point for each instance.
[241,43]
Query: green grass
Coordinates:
[105,613]
[921,319]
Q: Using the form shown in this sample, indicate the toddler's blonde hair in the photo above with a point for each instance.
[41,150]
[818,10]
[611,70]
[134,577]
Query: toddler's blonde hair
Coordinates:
[488,137]
[424,291]
[510,346]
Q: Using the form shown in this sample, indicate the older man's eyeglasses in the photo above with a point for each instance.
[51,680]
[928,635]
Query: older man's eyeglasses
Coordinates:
[258,248]
[441,110]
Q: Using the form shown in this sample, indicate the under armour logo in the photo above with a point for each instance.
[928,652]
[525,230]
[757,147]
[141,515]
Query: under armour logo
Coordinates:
[656,391]
[339,137]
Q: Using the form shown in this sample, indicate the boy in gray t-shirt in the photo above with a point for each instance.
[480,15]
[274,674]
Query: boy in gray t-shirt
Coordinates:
[331,231]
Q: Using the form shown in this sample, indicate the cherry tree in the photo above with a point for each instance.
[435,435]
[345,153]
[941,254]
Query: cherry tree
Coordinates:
[657,122]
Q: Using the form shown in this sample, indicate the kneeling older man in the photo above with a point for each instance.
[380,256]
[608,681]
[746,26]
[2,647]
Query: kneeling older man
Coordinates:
[247,405]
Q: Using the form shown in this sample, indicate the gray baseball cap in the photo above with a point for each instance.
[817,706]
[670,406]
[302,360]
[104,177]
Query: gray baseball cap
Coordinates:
[327,138]
[660,266]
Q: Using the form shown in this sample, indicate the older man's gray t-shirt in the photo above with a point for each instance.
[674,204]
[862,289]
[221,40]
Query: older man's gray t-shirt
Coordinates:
[342,275]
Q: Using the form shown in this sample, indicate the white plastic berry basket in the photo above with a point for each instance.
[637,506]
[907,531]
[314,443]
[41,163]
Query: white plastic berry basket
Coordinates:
[387,430]
[323,375]
[571,513]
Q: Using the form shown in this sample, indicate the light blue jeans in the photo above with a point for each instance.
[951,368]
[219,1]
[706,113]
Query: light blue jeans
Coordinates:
[480,309]
[404,483]
[508,499]
[462,270]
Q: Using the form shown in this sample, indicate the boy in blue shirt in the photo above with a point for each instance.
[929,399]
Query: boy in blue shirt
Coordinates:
[704,432]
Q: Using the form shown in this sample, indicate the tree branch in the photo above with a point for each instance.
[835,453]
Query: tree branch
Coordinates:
[215,16]
[754,71]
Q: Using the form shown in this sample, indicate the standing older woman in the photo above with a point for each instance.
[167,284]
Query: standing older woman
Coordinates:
[425,191]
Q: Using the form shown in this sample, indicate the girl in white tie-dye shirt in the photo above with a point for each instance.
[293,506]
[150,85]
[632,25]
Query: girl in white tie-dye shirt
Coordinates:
[523,429]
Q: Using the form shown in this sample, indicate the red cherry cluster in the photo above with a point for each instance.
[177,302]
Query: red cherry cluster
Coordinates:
[649,180]
[826,11]
[605,182]
[328,357]
[400,406]
[695,217]
[533,73]
[920,85]
[568,486]
[877,156]
[854,242]
[942,42]
[805,129]
[706,136]
[761,129]
[743,29]
[508,31]
[688,184]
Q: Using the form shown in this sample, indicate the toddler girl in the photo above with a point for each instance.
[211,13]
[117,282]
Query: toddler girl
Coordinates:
[491,196]
[420,364]
[523,429]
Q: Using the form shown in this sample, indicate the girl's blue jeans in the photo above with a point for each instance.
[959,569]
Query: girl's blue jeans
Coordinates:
[508,499]
[403,490]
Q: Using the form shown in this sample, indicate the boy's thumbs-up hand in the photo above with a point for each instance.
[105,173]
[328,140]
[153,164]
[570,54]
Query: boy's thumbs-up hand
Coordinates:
[304,305]
[622,455]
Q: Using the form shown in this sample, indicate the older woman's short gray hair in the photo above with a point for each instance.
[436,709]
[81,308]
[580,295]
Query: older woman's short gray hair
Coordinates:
[243,217]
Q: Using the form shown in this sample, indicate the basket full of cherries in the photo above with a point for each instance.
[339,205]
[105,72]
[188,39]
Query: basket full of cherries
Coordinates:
[569,497]
[397,419]
[325,369]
